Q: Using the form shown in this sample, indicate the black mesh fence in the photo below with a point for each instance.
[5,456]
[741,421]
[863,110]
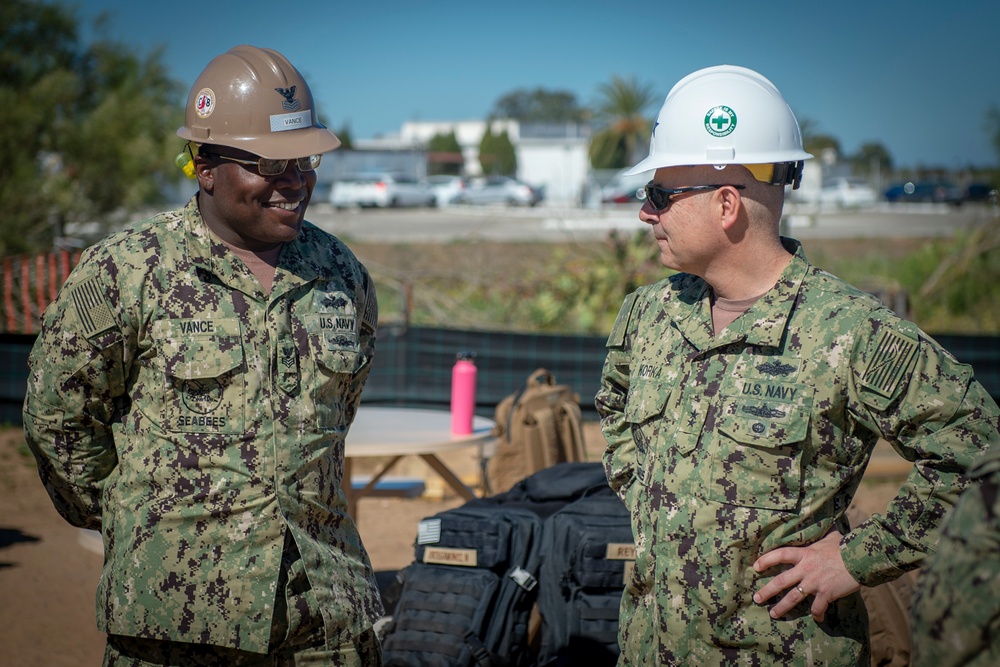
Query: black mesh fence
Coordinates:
[413,365]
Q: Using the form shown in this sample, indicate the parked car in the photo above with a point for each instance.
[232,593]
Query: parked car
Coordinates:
[980,192]
[501,190]
[446,189]
[924,191]
[622,189]
[847,191]
[381,189]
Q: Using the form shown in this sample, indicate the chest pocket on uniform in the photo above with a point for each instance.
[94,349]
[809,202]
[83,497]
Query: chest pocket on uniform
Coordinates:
[203,364]
[338,357]
[757,459]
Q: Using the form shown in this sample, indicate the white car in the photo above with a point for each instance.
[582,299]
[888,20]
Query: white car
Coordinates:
[847,192]
[382,190]
[501,190]
[446,189]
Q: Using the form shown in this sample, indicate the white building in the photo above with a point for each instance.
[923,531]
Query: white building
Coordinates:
[553,156]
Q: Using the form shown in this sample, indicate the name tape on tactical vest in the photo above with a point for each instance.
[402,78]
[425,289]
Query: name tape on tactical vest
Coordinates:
[450,556]
[623,551]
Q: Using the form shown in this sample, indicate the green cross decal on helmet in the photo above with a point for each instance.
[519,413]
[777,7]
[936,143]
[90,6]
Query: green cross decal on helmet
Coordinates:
[698,125]
[720,121]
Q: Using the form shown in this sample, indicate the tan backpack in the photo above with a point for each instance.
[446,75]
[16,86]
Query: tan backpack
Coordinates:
[536,427]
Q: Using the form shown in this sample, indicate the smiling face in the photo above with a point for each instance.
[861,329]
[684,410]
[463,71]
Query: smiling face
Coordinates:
[248,210]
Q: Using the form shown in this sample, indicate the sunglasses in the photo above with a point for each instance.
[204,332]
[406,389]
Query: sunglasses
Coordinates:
[659,198]
[268,167]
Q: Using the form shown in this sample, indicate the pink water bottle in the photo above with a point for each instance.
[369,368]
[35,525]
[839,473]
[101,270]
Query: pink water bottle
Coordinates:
[463,393]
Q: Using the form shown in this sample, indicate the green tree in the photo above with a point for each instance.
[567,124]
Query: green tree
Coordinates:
[87,131]
[871,157]
[814,141]
[993,127]
[496,153]
[444,155]
[539,106]
[346,136]
[624,128]
[993,132]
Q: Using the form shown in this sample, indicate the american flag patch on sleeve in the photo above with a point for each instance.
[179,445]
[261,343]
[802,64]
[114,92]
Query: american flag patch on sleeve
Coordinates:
[370,317]
[889,363]
[92,308]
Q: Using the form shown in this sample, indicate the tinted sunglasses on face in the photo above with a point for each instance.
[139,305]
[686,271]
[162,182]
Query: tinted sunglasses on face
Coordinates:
[659,198]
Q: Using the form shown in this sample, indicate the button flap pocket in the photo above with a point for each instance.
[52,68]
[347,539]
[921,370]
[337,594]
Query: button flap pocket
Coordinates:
[764,423]
[339,361]
[645,400]
[200,349]
[758,461]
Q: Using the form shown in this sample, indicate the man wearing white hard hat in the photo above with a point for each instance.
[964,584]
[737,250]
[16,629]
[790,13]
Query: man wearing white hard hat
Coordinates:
[741,400]
[191,390]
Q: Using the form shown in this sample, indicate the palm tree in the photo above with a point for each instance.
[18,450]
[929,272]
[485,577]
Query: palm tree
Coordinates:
[620,111]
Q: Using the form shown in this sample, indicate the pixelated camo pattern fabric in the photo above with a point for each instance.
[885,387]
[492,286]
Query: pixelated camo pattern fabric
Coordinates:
[956,607]
[197,421]
[726,447]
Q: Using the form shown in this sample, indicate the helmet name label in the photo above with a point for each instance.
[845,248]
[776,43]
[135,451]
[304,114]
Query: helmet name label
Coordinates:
[720,121]
[291,121]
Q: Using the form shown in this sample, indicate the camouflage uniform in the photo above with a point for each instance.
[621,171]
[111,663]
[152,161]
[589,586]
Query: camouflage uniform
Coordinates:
[726,447]
[956,609]
[200,424]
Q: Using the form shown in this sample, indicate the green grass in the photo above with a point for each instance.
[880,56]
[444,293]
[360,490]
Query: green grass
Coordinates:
[952,285]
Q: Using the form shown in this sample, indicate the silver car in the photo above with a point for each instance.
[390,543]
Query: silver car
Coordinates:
[500,190]
[447,189]
[383,189]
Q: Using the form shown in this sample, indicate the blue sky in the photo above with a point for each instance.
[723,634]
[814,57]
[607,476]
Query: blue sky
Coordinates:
[917,76]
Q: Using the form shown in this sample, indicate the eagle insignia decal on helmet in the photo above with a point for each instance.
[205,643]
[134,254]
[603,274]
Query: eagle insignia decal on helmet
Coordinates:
[290,103]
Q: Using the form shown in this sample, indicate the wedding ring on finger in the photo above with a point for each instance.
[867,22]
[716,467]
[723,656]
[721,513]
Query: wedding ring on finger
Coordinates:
[799,589]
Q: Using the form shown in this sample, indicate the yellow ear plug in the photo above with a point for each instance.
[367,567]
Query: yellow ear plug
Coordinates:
[186,163]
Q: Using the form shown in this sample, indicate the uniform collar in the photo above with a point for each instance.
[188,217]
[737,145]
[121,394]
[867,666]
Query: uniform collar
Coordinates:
[208,253]
[764,324]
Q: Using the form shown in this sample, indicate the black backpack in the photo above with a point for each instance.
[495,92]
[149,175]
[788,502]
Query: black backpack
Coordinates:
[588,555]
[467,598]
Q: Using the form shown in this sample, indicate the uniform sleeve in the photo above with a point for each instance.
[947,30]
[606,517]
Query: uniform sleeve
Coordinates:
[620,455]
[956,606]
[929,407]
[76,384]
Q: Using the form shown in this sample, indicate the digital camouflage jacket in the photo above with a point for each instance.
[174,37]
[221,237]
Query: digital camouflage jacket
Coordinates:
[726,447]
[195,421]
[956,606]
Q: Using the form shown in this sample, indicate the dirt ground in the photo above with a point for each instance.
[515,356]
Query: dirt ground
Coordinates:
[49,570]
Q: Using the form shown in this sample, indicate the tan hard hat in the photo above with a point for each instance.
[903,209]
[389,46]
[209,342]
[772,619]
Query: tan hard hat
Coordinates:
[254,99]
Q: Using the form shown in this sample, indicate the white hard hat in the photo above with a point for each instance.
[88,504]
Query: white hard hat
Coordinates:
[726,115]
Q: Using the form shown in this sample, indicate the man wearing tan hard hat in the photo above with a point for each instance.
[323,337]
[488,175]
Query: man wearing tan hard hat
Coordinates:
[191,390]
